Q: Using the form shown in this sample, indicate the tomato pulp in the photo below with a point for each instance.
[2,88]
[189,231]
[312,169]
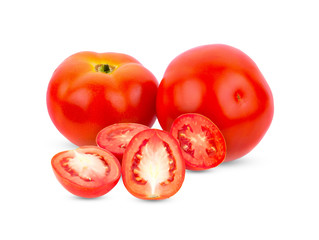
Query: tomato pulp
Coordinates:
[153,166]
[223,84]
[116,137]
[203,145]
[89,91]
[88,171]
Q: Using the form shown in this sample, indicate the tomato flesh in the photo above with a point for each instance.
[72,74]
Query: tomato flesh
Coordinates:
[203,145]
[85,166]
[153,166]
[116,137]
[87,172]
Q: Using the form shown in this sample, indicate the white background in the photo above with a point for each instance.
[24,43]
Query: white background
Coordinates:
[271,193]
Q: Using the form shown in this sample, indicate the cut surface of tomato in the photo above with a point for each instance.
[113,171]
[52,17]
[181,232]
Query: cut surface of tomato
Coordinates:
[202,143]
[88,171]
[153,166]
[116,137]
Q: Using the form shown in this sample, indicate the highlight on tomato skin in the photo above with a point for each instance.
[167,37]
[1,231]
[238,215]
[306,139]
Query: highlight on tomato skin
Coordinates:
[153,167]
[87,171]
[116,137]
[202,143]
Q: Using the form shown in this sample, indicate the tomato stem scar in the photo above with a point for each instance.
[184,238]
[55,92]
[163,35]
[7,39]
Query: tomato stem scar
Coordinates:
[104,68]
[238,97]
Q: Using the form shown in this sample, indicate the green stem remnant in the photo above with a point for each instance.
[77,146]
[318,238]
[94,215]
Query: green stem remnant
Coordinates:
[238,97]
[104,68]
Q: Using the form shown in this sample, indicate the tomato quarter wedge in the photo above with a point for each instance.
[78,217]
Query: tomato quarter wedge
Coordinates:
[152,165]
[116,137]
[202,143]
[88,171]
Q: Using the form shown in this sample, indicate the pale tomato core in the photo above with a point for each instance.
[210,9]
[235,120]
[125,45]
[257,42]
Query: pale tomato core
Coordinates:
[86,166]
[154,164]
[122,135]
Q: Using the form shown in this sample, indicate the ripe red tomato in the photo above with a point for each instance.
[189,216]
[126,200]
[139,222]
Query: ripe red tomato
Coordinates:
[153,165]
[88,171]
[90,91]
[224,84]
[116,137]
[203,145]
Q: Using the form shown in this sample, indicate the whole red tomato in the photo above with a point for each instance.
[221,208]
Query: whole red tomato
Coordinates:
[90,91]
[224,84]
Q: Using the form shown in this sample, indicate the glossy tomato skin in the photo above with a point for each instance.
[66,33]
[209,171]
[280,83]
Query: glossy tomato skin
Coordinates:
[202,143]
[83,96]
[224,84]
[80,177]
[116,137]
[153,167]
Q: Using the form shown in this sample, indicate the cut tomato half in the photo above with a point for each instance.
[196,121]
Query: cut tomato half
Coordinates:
[115,137]
[88,171]
[153,165]
[202,143]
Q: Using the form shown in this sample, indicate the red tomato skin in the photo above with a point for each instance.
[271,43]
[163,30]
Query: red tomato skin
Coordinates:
[224,84]
[82,101]
[81,190]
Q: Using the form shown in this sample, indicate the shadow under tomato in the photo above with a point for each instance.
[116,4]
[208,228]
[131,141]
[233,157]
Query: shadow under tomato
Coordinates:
[232,164]
[61,144]
[207,171]
[237,163]
[77,198]
[153,201]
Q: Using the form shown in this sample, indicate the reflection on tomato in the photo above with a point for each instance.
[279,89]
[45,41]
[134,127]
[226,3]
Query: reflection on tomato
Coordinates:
[153,166]
[90,91]
[88,171]
[224,84]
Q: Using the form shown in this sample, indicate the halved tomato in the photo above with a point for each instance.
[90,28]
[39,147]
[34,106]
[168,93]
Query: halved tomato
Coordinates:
[202,143]
[88,171]
[153,165]
[115,137]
